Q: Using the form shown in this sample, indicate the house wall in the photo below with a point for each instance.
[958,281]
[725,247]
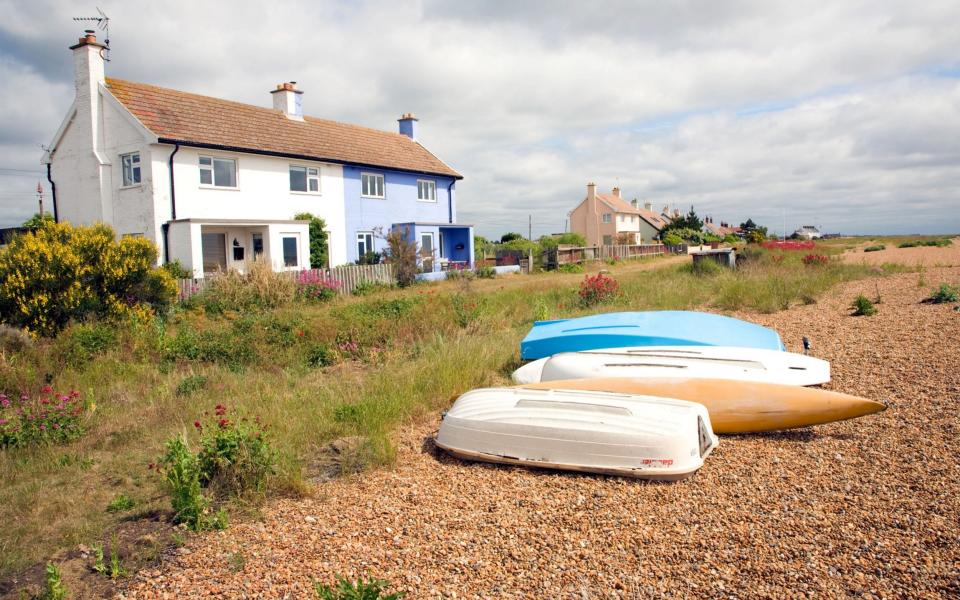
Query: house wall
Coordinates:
[262,192]
[647,231]
[399,205]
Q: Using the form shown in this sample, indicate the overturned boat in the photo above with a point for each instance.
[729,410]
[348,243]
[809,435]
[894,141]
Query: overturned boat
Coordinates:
[596,432]
[712,362]
[738,406]
[651,328]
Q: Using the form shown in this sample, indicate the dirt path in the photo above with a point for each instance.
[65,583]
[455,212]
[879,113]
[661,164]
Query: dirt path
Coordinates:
[866,508]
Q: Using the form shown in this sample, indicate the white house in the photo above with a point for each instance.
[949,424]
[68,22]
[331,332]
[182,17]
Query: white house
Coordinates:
[808,232]
[215,183]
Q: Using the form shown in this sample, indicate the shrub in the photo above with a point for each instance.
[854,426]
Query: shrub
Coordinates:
[13,339]
[312,286]
[80,343]
[47,419]
[370,258]
[939,242]
[191,384]
[53,584]
[465,311]
[672,239]
[570,268]
[259,288]
[815,260]
[705,267]
[366,288]
[401,252]
[486,272]
[862,306]
[756,237]
[321,355]
[209,346]
[598,288]
[60,273]
[945,293]
[318,239]
[344,589]
[176,270]
[181,471]
[121,503]
[875,248]
[235,455]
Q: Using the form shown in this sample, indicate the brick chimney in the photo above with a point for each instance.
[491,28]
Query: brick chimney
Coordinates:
[288,100]
[648,206]
[408,125]
[616,192]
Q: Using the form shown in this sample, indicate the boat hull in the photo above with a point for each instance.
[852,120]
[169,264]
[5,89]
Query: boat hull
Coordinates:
[612,434]
[652,328]
[738,406]
[709,362]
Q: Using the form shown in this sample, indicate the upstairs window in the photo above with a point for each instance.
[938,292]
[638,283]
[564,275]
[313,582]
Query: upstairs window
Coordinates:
[607,218]
[426,190]
[371,185]
[130,164]
[304,179]
[218,172]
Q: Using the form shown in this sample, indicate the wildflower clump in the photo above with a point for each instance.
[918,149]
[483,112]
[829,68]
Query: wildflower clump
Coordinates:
[815,260]
[598,288]
[235,454]
[58,273]
[312,286]
[48,418]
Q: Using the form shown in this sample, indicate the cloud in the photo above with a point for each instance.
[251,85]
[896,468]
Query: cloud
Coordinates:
[846,113]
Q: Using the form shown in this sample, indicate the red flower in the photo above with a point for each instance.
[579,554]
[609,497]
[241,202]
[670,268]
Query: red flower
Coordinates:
[300,333]
[46,389]
[197,425]
[220,410]
[223,423]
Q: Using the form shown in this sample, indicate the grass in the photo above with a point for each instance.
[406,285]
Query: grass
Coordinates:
[356,367]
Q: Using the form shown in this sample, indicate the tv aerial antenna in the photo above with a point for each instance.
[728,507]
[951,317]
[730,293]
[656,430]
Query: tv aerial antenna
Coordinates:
[103,24]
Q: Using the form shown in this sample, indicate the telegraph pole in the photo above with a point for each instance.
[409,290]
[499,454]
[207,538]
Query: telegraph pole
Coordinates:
[40,198]
[530,227]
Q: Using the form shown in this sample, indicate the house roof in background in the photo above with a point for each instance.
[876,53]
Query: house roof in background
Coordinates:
[617,204]
[175,116]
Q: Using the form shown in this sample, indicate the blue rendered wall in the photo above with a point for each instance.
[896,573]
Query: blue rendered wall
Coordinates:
[399,204]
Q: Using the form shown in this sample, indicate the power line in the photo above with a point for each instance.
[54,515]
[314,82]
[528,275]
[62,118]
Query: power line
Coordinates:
[11,170]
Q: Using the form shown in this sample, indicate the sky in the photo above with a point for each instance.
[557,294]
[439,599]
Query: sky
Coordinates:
[841,114]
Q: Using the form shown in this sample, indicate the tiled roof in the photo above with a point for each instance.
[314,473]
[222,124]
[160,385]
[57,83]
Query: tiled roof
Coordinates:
[179,116]
[617,203]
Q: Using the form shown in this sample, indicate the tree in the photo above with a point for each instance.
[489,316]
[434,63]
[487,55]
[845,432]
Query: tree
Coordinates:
[509,237]
[748,227]
[565,239]
[401,252]
[688,221]
[34,222]
[318,239]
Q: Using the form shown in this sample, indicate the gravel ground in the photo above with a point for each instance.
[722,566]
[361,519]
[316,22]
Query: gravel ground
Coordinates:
[865,508]
[927,256]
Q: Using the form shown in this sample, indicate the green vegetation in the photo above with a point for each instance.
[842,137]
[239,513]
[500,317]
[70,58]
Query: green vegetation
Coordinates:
[945,293]
[875,248]
[348,371]
[121,503]
[318,239]
[344,589]
[936,242]
[863,306]
[53,588]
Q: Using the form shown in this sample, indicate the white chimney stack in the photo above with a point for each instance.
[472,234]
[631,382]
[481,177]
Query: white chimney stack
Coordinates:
[648,206]
[288,100]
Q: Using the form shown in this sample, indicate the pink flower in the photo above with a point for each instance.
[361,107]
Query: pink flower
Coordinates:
[43,427]
[46,389]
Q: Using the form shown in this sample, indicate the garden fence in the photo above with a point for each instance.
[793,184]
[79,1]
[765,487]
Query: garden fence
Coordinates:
[349,276]
[569,254]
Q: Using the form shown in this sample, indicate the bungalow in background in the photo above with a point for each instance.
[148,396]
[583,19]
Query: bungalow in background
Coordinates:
[807,232]
[214,183]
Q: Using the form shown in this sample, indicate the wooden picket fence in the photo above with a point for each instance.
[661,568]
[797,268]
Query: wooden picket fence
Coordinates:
[349,276]
[565,255]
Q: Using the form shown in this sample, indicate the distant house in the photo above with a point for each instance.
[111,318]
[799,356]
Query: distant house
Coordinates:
[808,232]
[214,183]
[607,219]
[721,230]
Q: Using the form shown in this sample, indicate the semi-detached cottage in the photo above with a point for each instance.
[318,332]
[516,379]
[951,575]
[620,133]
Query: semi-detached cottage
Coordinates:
[215,183]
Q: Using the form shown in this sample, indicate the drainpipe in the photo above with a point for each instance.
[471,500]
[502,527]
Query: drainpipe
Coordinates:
[173,207]
[53,194]
[450,201]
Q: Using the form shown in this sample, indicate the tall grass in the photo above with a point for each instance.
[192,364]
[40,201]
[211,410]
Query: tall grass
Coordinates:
[397,357]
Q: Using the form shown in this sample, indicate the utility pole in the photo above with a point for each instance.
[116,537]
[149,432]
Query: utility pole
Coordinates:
[40,198]
[530,227]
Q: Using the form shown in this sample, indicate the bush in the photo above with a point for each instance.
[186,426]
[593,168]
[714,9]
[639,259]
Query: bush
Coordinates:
[863,307]
[209,346]
[465,311]
[47,419]
[939,242]
[370,258]
[756,237]
[312,286]
[344,589]
[366,288]
[945,293]
[191,384]
[321,355]
[875,248]
[318,239]
[705,267]
[564,239]
[80,343]
[401,252]
[121,503]
[60,273]
[13,339]
[53,584]
[815,260]
[672,239]
[235,455]
[259,288]
[485,272]
[177,270]
[570,268]
[181,472]
[598,288]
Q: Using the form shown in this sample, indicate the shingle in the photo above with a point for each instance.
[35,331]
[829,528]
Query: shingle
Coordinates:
[185,117]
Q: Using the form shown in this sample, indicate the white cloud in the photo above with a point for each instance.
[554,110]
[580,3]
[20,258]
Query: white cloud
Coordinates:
[531,100]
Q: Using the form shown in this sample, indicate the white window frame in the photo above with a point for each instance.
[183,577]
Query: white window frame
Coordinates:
[426,190]
[607,218]
[311,178]
[364,236]
[380,185]
[283,259]
[135,169]
[211,168]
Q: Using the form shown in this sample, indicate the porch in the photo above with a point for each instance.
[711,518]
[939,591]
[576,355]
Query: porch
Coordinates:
[440,246]
[207,246]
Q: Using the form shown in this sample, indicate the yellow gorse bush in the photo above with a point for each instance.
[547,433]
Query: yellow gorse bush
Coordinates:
[60,273]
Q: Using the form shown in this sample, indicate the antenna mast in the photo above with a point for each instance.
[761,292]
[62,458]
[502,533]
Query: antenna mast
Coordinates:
[103,24]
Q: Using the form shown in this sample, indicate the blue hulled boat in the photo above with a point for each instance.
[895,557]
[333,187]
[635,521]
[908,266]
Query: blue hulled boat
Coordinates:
[652,328]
